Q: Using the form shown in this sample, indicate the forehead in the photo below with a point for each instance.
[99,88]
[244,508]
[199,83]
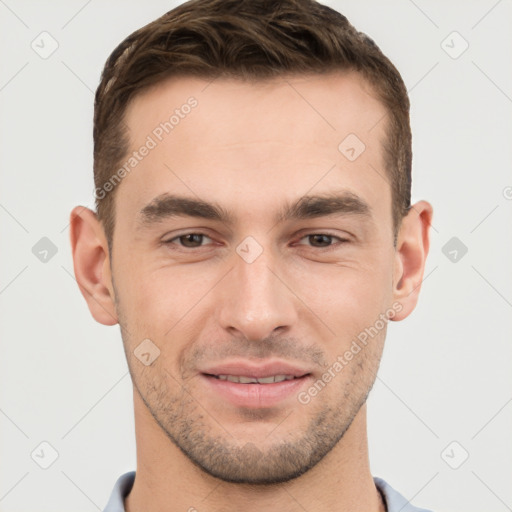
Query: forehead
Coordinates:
[248,143]
[336,101]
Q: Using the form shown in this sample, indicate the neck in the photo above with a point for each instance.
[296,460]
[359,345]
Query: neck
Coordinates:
[166,480]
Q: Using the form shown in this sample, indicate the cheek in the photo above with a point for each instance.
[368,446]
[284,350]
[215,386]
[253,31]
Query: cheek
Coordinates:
[348,300]
[159,302]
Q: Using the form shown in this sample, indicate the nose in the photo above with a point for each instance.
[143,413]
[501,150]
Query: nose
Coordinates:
[256,300]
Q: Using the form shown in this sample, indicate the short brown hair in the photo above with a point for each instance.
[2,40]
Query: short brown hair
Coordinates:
[249,40]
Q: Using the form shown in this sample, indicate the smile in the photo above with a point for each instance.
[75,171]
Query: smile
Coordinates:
[253,380]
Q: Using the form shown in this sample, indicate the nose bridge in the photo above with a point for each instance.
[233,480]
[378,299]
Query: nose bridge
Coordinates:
[255,301]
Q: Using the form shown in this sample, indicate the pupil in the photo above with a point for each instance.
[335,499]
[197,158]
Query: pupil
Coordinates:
[319,237]
[188,238]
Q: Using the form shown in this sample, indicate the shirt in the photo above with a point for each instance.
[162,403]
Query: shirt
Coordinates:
[395,502]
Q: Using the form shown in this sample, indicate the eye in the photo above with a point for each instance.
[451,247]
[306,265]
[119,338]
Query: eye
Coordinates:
[194,240]
[189,240]
[324,239]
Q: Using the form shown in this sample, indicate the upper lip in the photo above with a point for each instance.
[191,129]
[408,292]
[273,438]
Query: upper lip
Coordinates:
[247,369]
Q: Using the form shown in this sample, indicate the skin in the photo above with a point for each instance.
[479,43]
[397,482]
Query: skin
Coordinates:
[252,147]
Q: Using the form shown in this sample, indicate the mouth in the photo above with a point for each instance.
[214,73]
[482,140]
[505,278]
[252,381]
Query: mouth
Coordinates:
[244,379]
[254,392]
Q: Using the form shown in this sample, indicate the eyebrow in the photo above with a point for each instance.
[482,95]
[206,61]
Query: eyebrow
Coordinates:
[166,206]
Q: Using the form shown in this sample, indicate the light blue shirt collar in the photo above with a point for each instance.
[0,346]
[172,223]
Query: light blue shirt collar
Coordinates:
[395,502]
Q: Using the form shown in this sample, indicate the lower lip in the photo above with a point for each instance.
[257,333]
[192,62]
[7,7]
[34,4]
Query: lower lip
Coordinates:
[255,395]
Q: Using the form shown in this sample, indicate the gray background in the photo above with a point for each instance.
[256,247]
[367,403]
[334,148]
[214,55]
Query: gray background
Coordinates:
[446,372]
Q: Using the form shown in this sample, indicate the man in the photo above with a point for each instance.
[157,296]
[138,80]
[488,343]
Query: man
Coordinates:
[253,237]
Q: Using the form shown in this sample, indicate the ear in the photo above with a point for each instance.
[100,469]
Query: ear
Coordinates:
[411,252]
[92,264]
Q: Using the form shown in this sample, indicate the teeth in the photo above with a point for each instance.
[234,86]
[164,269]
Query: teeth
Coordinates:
[266,380]
[252,380]
[246,380]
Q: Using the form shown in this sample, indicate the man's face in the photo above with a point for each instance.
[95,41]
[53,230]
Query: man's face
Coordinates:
[255,289]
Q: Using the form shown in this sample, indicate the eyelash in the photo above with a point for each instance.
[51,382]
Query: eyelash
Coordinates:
[171,241]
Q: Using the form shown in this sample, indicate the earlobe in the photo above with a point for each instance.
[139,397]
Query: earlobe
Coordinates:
[91,264]
[412,249]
